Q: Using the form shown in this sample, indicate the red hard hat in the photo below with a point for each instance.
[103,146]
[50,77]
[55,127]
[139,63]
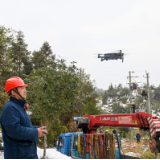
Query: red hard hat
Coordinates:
[14,82]
[101,130]
[138,133]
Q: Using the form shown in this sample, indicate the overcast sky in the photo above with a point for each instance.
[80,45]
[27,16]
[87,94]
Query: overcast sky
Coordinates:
[79,29]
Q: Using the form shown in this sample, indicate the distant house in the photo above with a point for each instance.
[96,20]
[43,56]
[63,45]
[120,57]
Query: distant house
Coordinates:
[109,100]
[100,103]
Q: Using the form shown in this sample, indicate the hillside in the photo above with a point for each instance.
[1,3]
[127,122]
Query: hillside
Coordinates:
[117,100]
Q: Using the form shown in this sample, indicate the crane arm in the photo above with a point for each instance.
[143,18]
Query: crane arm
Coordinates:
[141,120]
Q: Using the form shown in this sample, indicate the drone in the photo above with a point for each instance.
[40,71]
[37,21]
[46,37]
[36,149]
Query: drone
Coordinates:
[112,56]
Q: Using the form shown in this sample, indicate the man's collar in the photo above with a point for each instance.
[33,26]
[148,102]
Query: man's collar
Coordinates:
[18,101]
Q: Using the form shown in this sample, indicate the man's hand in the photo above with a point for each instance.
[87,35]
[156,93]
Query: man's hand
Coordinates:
[41,131]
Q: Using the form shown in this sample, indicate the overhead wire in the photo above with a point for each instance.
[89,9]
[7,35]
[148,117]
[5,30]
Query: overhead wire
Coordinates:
[113,81]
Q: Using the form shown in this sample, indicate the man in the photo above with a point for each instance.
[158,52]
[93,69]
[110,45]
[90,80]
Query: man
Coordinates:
[134,107]
[106,132]
[119,137]
[101,131]
[19,135]
[135,86]
[144,94]
[138,137]
[114,131]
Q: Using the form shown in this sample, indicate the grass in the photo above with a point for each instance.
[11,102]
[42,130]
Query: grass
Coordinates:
[149,155]
[139,150]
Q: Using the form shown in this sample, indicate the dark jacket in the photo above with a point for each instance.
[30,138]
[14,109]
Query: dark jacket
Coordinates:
[114,131]
[18,133]
[134,106]
[138,136]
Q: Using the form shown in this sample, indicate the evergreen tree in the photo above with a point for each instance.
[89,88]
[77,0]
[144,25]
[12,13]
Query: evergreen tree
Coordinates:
[38,60]
[157,93]
[152,87]
[87,101]
[5,65]
[124,91]
[113,93]
[119,109]
[6,38]
[46,50]
[19,54]
[44,57]
[49,56]
[28,66]
[105,97]
[119,87]
[52,94]
[110,87]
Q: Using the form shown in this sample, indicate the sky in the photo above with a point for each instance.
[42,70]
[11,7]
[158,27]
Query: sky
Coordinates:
[77,30]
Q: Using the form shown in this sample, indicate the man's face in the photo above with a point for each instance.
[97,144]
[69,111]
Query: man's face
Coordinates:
[22,91]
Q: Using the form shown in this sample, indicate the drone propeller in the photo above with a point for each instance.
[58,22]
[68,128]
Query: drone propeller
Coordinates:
[95,53]
[124,52]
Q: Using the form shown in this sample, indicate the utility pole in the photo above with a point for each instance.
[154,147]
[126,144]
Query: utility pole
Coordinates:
[130,91]
[148,91]
[131,108]
[130,102]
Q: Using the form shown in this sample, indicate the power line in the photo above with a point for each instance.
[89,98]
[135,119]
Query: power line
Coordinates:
[113,81]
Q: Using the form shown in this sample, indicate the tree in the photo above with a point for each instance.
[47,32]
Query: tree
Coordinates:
[156,107]
[105,97]
[157,93]
[28,66]
[19,54]
[124,91]
[152,87]
[44,57]
[119,87]
[113,93]
[53,93]
[87,101]
[119,109]
[46,50]
[123,131]
[38,60]
[110,87]
[57,91]
[139,90]
[6,38]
